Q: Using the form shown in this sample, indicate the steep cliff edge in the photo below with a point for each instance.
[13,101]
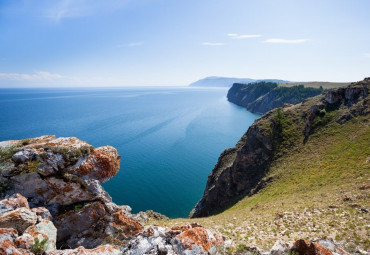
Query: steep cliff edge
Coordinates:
[262,97]
[242,170]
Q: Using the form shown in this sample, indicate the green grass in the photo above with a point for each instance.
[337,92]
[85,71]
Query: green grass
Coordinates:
[307,177]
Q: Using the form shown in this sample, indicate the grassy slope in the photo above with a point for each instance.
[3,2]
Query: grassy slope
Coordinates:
[307,180]
[316,84]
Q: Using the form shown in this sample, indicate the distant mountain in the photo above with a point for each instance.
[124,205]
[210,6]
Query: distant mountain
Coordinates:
[227,82]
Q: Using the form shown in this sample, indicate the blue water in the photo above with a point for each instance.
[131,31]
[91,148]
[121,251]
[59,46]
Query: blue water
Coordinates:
[169,138]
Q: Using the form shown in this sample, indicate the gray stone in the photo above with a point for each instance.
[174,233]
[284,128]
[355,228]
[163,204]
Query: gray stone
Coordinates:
[19,219]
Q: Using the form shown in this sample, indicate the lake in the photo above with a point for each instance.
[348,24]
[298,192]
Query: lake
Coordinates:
[169,137]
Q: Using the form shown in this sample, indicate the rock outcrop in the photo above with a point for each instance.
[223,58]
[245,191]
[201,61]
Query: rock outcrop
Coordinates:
[61,179]
[187,239]
[262,97]
[53,203]
[240,171]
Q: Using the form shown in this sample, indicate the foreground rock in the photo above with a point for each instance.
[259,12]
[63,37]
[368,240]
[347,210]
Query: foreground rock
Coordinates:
[53,203]
[240,171]
[187,239]
[61,179]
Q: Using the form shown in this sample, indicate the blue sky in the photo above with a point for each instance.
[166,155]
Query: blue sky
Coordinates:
[172,42]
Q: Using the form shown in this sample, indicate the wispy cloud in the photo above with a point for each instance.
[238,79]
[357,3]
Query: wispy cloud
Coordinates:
[37,76]
[367,55]
[280,40]
[63,9]
[212,44]
[237,36]
[135,44]
[132,44]
[43,78]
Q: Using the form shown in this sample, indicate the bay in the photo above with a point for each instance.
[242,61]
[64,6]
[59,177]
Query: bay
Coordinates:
[169,137]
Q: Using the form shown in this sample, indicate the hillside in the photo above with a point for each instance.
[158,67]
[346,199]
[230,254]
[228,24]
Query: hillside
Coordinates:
[227,82]
[261,97]
[300,171]
[316,84]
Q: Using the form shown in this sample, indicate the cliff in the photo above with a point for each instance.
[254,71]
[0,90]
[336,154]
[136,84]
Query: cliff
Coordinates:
[262,97]
[243,170]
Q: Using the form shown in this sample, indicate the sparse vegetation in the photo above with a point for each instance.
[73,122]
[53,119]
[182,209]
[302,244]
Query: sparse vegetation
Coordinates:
[29,167]
[7,152]
[39,247]
[72,155]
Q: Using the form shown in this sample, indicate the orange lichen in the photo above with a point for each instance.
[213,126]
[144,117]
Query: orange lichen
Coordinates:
[125,225]
[199,236]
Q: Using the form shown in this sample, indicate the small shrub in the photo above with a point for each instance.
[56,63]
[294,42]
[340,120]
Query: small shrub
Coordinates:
[26,142]
[38,248]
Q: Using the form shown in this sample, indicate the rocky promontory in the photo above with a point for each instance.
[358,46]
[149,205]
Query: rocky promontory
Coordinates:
[242,171]
[261,97]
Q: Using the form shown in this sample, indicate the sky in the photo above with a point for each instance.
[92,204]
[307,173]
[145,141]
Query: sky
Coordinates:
[75,43]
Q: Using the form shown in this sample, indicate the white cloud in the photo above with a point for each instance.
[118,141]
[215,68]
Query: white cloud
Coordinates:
[367,55]
[279,40]
[236,36]
[37,76]
[212,44]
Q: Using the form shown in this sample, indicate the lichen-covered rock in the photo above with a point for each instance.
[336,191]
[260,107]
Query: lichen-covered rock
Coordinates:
[13,202]
[42,213]
[44,230]
[61,179]
[186,239]
[7,238]
[320,247]
[102,164]
[123,226]
[198,240]
[103,249]
[75,224]
[19,219]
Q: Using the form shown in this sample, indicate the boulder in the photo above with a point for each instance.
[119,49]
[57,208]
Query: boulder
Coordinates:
[186,239]
[7,238]
[198,240]
[320,247]
[43,230]
[102,164]
[279,248]
[123,226]
[13,202]
[75,224]
[19,219]
[103,249]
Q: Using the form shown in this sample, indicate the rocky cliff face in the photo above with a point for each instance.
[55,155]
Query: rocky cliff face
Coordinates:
[262,97]
[54,203]
[240,171]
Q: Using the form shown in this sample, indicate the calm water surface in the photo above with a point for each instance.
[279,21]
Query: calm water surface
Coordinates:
[169,138]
